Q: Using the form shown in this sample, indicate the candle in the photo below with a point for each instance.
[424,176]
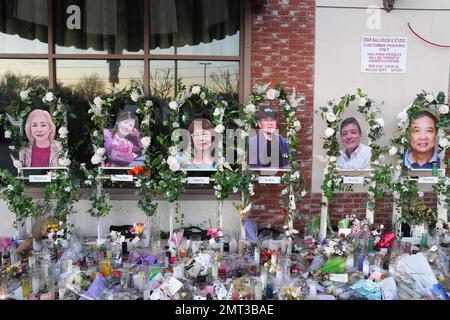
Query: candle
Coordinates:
[215,271]
[258,291]
[360,262]
[257,257]
[312,291]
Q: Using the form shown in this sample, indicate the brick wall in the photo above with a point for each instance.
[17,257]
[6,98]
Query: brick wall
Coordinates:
[282,50]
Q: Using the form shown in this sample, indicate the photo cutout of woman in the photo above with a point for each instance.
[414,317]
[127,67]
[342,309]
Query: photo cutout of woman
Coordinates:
[43,150]
[202,156]
[123,146]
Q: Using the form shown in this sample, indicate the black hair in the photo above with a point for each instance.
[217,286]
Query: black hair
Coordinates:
[350,120]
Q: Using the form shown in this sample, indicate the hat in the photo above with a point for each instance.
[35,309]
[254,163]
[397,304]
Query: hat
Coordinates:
[266,113]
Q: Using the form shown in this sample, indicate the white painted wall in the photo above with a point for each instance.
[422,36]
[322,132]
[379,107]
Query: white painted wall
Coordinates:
[337,60]
[126,212]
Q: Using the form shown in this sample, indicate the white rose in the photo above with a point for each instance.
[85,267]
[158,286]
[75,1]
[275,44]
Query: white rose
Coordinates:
[64,162]
[380,122]
[175,125]
[49,97]
[17,164]
[303,193]
[297,125]
[171,160]
[420,194]
[67,189]
[250,108]
[332,159]
[441,133]
[238,122]
[100,151]
[173,105]
[329,132]
[393,151]
[148,103]
[195,90]
[443,109]
[429,97]
[217,112]
[88,182]
[98,102]
[402,116]
[272,94]
[7,134]
[134,95]
[219,128]
[331,117]
[12,148]
[96,159]
[174,166]
[444,142]
[24,94]
[63,132]
[145,141]
[362,102]
[205,102]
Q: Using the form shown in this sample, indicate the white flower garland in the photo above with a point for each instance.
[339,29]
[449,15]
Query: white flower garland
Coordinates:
[380,174]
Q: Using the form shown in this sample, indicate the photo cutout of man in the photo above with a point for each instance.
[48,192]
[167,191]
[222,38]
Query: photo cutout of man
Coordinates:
[355,155]
[268,149]
[422,153]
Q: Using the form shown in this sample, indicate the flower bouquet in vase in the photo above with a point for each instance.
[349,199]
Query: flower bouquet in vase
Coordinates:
[57,234]
[138,231]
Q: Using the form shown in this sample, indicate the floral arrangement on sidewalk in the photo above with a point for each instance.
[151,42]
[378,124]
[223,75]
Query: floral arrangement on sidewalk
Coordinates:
[57,232]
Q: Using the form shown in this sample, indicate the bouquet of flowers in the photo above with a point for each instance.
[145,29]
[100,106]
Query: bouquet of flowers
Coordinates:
[15,271]
[56,232]
[137,230]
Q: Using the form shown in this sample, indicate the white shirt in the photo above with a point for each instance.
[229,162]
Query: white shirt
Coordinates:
[358,160]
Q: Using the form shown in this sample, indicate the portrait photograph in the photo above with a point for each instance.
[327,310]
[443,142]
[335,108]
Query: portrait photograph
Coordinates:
[122,143]
[268,148]
[43,150]
[355,154]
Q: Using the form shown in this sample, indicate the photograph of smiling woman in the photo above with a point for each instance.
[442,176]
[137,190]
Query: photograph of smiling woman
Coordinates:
[355,155]
[122,143]
[202,142]
[42,151]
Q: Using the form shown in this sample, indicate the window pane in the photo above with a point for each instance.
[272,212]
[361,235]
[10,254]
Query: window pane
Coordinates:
[95,77]
[23,26]
[194,27]
[80,81]
[219,76]
[99,26]
[17,75]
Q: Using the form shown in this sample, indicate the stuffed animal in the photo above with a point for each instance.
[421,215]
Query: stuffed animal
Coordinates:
[38,233]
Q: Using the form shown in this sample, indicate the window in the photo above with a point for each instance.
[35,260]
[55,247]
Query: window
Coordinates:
[85,48]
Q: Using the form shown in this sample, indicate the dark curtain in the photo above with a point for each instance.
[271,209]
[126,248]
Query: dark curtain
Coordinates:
[111,25]
[26,18]
[117,25]
[190,22]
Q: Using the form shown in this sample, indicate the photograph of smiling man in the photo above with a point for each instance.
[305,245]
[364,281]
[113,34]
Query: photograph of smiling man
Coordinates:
[42,150]
[122,143]
[355,155]
[422,153]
